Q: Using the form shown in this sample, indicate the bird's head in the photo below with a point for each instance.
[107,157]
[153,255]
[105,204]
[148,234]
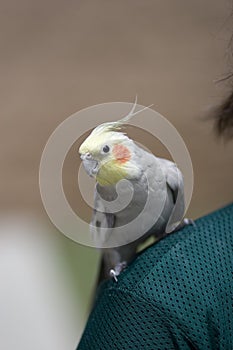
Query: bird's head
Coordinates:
[108,154]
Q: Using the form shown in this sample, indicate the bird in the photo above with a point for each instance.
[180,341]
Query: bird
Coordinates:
[137,194]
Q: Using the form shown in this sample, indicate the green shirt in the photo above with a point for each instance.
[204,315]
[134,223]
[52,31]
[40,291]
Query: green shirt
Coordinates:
[177,294]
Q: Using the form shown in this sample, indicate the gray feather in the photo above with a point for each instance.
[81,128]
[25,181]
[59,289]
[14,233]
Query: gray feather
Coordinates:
[166,185]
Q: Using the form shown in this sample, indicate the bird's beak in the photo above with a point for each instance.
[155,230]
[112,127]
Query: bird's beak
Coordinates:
[90,164]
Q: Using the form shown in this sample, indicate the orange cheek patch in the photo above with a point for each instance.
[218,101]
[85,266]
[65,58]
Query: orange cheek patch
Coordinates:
[121,153]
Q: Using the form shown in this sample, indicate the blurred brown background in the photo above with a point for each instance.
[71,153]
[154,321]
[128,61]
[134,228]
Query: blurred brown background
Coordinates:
[58,57]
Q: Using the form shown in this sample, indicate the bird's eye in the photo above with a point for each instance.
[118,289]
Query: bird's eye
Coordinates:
[106,149]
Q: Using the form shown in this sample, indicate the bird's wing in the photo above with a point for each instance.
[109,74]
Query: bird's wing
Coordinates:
[175,182]
[101,223]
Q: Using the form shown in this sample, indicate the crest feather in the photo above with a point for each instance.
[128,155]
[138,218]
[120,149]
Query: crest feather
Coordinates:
[117,125]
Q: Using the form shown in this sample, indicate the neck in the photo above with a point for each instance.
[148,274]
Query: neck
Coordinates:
[109,174]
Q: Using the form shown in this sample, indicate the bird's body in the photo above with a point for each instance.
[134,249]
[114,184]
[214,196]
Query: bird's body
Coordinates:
[137,194]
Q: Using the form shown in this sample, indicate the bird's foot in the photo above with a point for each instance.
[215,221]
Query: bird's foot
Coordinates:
[117,270]
[183,223]
[187,221]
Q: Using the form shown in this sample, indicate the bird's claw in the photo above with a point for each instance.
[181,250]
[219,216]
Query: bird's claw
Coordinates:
[113,274]
[117,270]
[189,222]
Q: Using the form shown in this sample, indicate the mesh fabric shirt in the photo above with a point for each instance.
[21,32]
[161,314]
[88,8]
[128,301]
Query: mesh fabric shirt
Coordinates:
[177,294]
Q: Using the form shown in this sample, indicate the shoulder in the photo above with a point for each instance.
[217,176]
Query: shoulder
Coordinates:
[176,294]
[184,280]
[203,243]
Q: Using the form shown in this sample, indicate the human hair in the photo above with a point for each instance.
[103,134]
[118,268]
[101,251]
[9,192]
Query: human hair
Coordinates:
[223,118]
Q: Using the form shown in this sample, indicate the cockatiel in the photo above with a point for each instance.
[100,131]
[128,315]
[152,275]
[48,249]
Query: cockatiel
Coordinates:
[136,193]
